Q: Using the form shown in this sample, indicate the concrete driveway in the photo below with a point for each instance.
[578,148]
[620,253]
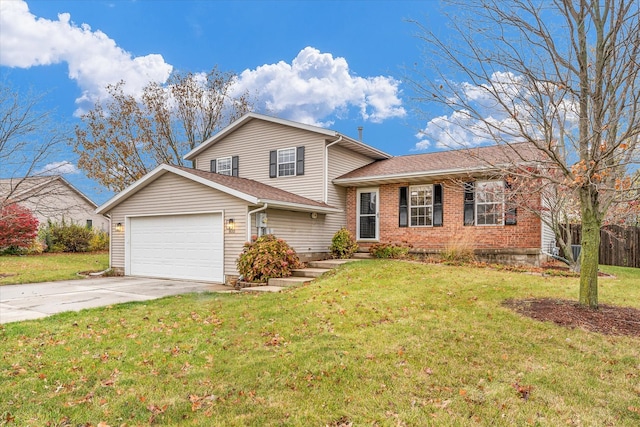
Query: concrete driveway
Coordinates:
[36,300]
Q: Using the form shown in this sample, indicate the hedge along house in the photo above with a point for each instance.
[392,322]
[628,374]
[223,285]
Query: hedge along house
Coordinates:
[302,183]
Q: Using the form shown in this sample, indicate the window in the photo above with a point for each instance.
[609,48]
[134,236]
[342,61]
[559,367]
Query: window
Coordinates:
[421,205]
[489,202]
[425,206]
[89,224]
[223,166]
[287,162]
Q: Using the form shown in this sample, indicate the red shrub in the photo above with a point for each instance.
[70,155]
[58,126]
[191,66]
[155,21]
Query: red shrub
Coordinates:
[18,227]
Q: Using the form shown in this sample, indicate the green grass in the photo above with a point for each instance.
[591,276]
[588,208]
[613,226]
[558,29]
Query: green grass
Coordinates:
[49,267]
[383,343]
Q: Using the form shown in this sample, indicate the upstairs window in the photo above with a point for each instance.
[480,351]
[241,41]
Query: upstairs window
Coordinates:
[287,162]
[223,166]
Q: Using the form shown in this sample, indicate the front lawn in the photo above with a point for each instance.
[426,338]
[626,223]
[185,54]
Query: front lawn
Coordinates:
[49,267]
[373,343]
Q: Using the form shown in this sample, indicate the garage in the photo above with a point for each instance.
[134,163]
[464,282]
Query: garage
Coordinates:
[176,247]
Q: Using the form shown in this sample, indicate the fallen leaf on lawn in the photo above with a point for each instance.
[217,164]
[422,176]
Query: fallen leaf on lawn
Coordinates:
[523,390]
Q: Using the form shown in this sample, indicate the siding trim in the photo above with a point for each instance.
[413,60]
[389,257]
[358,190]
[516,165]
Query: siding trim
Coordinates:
[157,173]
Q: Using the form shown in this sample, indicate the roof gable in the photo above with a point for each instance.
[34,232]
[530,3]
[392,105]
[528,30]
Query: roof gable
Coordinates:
[329,134]
[26,187]
[252,192]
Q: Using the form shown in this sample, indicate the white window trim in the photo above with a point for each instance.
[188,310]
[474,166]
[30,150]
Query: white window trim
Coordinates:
[230,170]
[278,163]
[411,205]
[477,202]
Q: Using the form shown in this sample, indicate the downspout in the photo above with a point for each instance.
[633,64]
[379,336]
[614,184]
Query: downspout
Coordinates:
[249,219]
[326,168]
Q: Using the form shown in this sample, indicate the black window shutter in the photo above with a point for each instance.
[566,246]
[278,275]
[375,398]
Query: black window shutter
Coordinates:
[437,205]
[234,166]
[511,215]
[469,203]
[213,165]
[511,211]
[403,211]
[273,164]
[300,161]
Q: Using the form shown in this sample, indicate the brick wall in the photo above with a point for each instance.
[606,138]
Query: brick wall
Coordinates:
[525,235]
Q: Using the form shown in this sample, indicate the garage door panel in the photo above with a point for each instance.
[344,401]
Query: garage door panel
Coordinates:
[177,246]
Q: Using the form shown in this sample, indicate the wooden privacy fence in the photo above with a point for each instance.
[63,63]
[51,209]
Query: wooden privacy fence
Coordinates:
[618,245]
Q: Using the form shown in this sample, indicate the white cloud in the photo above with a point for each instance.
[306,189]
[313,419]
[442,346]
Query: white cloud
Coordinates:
[504,108]
[93,58]
[316,85]
[313,87]
[59,168]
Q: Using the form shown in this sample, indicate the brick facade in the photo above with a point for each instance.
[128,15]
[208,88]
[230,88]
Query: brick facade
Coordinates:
[525,235]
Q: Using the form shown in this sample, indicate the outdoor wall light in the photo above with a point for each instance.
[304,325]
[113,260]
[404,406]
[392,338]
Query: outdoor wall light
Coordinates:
[231,226]
[119,227]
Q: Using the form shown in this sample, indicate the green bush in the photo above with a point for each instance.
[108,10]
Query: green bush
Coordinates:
[389,250]
[343,245]
[267,257]
[65,237]
[99,241]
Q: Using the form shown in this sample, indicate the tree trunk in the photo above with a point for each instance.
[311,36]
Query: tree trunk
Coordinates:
[589,255]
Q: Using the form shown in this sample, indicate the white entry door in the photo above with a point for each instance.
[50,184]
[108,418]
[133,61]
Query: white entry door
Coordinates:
[176,247]
[368,214]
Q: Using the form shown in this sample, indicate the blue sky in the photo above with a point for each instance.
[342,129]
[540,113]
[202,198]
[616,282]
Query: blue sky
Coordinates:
[339,64]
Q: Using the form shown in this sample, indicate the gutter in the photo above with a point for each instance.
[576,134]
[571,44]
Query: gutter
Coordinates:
[326,169]
[264,207]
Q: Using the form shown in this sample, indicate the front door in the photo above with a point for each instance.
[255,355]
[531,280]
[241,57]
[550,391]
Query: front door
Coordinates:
[368,214]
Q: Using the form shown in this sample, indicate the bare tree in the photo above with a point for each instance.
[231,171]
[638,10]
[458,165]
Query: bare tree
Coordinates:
[125,137]
[30,139]
[560,74]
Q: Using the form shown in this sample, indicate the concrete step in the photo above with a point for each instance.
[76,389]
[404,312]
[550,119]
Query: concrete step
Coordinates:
[362,255]
[266,288]
[329,263]
[309,272]
[286,282]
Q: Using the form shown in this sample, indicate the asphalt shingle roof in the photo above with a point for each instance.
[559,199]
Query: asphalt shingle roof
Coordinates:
[444,161]
[255,188]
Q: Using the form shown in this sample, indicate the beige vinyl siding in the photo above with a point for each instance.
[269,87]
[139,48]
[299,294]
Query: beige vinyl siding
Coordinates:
[312,235]
[172,194]
[298,229]
[341,161]
[252,143]
[59,202]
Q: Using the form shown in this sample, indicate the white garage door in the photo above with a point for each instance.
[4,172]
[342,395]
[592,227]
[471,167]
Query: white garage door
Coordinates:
[176,247]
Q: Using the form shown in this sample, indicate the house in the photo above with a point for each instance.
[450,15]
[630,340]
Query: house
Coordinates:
[53,198]
[302,183]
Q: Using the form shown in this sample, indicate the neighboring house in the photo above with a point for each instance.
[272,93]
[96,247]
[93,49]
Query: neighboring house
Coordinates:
[53,198]
[302,183]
